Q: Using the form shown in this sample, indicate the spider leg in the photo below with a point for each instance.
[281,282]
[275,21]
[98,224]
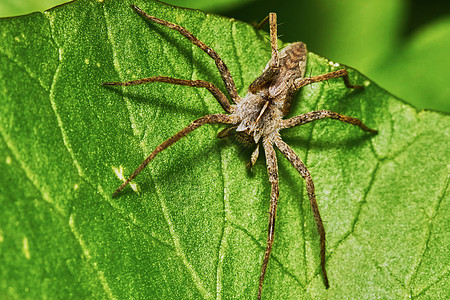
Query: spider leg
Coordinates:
[209,119]
[254,157]
[221,98]
[301,168]
[223,69]
[260,25]
[301,82]
[227,132]
[272,170]
[273,66]
[321,114]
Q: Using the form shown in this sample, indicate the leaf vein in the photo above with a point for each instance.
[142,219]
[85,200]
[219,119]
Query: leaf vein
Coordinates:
[24,67]
[42,188]
[358,212]
[429,233]
[274,258]
[116,64]
[225,229]
[52,99]
[179,250]
[435,282]
[101,276]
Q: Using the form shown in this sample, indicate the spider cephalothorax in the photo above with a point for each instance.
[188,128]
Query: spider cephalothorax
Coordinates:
[258,117]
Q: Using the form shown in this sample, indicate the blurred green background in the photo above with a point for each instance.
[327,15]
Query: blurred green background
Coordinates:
[403,45]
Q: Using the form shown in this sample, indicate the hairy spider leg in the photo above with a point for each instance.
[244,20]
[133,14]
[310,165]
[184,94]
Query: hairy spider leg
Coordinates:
[297,162]
[271,158]
[321,114]
[219,95]
[272,170]
[223,69]
[270,72]
[267,76]
[209,119]
[221,98]
[301,82]
[268,141]
[301,168]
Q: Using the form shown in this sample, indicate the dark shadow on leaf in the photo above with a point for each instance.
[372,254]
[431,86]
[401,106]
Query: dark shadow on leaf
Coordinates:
[244,152]
[135,96]
[182,168]
[184,47]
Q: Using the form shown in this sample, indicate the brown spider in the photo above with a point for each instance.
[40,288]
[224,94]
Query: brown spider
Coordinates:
[258,117]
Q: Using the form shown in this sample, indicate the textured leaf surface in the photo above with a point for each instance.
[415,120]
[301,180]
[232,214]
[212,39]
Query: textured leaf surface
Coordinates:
[196,227]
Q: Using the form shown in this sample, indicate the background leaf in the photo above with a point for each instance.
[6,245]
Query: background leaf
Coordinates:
[420,63]
[9,8]
[196,228]
[216,6]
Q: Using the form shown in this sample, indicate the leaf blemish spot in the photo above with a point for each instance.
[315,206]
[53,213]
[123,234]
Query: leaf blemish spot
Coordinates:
[86,61]
[119,174]
[26,248]
[257,118]
[75,187]
[8,160]
[333,64]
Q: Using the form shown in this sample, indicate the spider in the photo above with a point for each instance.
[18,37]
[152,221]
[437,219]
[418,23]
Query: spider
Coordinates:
[258,117]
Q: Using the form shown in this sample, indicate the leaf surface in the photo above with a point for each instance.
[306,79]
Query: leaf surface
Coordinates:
[196,224]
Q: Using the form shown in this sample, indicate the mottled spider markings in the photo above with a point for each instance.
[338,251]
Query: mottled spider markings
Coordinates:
[258,117]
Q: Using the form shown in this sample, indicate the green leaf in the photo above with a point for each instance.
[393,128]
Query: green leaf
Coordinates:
[20,7]
[197,225]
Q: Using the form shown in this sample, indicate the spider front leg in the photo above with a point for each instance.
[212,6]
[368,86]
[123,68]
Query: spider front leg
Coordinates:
[209,119]
[301,168]
[272,170]
[223,69]
[221,98]
[254,157]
